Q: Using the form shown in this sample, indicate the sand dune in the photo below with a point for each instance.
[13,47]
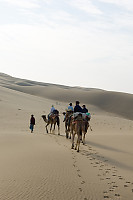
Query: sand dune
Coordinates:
[41,166]
[113,102]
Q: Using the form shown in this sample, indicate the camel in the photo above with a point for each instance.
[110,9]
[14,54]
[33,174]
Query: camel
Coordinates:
[76,128]
[53,119]
[67,119]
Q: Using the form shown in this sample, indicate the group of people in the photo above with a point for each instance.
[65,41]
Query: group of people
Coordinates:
[77,108]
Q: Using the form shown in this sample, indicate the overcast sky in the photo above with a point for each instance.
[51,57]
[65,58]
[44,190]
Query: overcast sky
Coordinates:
[87,43]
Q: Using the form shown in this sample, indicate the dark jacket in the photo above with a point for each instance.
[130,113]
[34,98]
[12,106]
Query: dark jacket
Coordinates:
[32,120]
[77,108]
[84,110]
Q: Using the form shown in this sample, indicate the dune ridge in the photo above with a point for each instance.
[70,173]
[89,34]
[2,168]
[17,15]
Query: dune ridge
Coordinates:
[113,102]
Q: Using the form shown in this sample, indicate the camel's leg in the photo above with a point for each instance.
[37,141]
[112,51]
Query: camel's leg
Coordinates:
[78,142]
[54,126]
[73,135]
[66,133]
[58,124]
[50,127]
[53,131]
[70,136]
[84,138]
[46,128]
[79,135]
[69,132]
[66,130]
[58,130]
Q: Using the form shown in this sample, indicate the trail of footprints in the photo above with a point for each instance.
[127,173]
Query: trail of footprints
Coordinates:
[82,182]
[107,173]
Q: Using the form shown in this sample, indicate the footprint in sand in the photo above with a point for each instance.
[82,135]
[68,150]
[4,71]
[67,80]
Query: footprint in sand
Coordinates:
[113,182]
[97,163]
[125,185]
[82,182]
[108,169]
[99,175]
[108,178]
[111,190]
[105,192]
[128,182]
[106,196]
[80,189]
[113,167]
[115,186]
[101,165]
[114,175]
[100,169]
[117,195]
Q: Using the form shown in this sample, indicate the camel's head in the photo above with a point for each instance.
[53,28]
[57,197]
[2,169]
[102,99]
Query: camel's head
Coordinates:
[64,113]
[44,117]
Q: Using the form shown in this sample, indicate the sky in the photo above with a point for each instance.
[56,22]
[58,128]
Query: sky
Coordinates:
[86,43]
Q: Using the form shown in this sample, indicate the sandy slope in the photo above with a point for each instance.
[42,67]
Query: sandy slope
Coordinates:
[113,102]
[42,166]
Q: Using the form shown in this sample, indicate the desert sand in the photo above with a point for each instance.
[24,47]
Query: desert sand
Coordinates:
[41,166]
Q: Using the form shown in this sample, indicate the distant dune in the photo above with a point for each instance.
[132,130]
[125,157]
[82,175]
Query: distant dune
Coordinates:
[113,102]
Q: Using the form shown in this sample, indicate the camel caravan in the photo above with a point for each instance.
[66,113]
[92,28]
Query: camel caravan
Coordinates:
[77,122]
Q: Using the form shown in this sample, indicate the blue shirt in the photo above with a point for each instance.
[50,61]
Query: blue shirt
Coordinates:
[70,108]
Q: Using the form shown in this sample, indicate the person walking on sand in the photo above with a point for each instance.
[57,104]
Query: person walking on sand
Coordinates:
[32,123]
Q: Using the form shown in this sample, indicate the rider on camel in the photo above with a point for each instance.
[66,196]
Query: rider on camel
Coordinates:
[77,108]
